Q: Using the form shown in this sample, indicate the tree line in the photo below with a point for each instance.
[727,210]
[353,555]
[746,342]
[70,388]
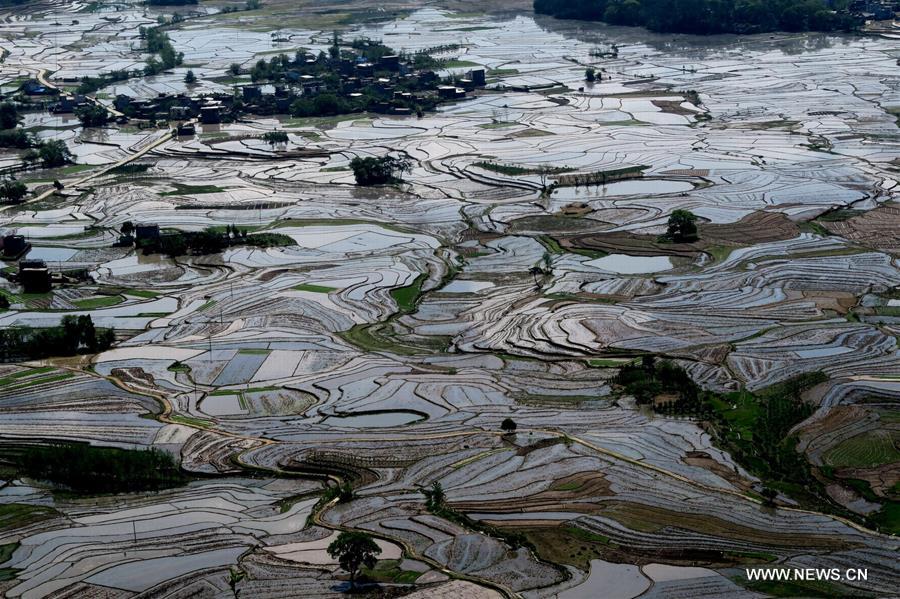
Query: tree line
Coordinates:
[86,469]
[707,16]
[74,335]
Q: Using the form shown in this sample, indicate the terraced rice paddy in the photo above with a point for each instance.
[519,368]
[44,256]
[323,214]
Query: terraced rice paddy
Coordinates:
[386,347]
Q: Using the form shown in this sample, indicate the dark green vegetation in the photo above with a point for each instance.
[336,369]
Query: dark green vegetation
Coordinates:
[158,42]
[682,227]
[16,515]
[379,170]
[12,191]
[15,138]
[436,503]
[9,115]
[353,550]
[276,137]
[76,335]
[51,154]
[211,241]
[86,469]
[707,16]
[92,115]
[754,427]
[515,171]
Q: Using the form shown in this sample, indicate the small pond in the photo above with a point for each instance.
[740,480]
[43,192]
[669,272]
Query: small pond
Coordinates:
[631,265]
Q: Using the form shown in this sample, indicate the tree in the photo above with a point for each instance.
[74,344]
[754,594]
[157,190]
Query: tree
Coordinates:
[682,227]
[508,425]
[190,78]
[590,75]
[54,153]
[235,69]
[354,550]
[12,190]
[769,496]
[127,227]
[434,497]
[9,116]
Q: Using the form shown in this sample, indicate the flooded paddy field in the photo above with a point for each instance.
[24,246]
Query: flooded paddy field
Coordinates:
[512,273]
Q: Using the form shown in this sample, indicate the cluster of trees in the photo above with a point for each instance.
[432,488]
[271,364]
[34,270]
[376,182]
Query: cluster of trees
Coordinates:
[651,378]
[75,335]
[51,154]
[158,42]
[211,241]
[12,191]
[15,138]
[87,469]
[275,137]
[9,116]
[706,16]
[92,115]
[89,85]
[379,170]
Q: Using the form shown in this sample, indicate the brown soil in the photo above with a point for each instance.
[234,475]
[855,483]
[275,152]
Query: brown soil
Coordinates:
[878,228]
[755,228]
[571,493]
[703,460]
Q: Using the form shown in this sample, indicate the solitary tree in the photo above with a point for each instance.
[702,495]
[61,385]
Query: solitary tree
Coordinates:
[127,227]
[508,425]
[190,78]
[235,69]
[590,75]
[682,227]
[435,496]
[354,550]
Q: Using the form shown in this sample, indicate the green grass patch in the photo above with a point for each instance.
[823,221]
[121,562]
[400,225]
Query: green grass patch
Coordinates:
[868,450]
[255,351]
[190,421]
[92,303]
[461,64]
[144,293]
[17,515]
[887,519]
[25,383]
[840,214]
[406,297]
[388,570]
[497,125]
[314,288]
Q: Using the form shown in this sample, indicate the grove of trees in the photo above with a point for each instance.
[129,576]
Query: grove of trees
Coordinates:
[706,16]
[379,170]
[75,335]
[87,469]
